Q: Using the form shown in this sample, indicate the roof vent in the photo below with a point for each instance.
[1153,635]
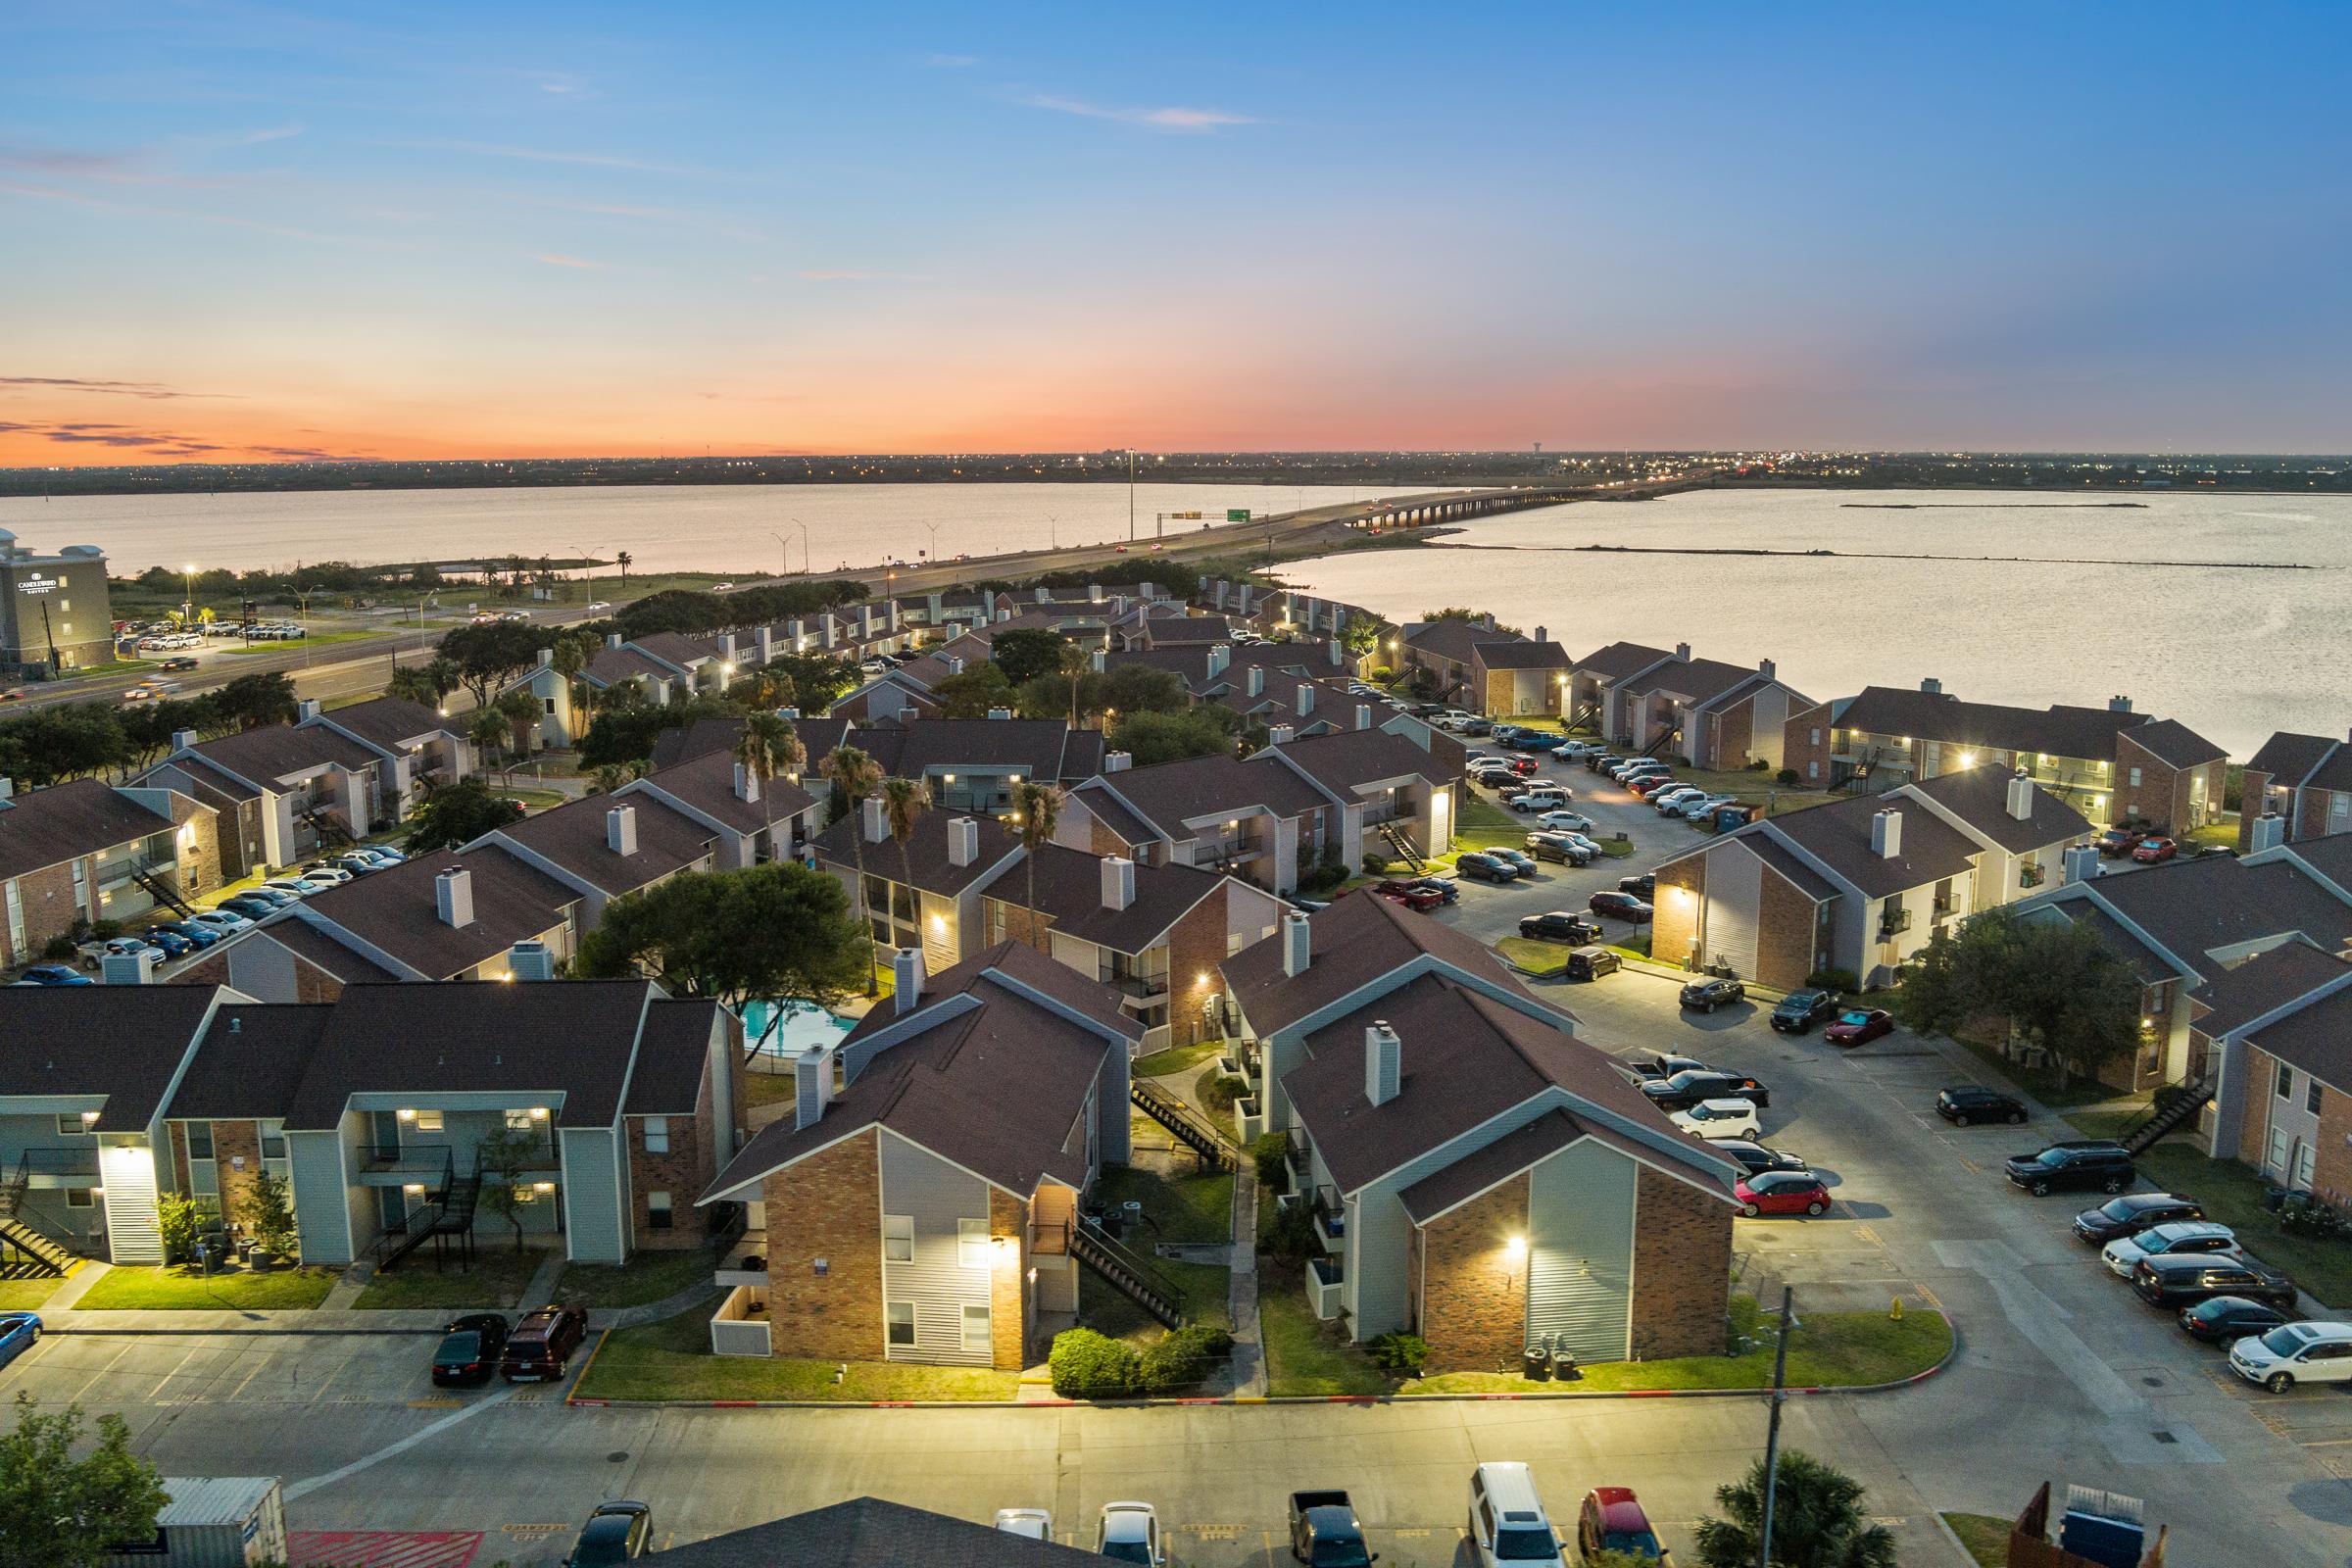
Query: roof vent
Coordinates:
[1887,835]
[1932,686]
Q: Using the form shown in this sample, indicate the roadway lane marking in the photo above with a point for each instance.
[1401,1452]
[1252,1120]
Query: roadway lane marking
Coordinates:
[303,1489]
[156,1394]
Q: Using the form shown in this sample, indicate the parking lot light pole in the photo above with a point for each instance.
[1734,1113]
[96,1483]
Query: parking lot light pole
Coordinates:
[1772,1435]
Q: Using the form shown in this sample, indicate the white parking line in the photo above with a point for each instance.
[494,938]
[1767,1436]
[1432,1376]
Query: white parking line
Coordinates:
[303,1489]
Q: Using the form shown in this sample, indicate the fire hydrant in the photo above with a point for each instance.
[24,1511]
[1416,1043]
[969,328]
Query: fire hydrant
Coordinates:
[1894,1313]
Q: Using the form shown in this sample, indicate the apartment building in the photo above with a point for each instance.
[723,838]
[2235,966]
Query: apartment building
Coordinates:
[1262,824]
[2305,781]
[88,850]
[1394,799]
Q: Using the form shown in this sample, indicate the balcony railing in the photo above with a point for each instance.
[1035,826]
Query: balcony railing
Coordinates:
[1895,924]
[432,1159]
[61,1162]
[1941,909]
[2031,876]
[1142,987]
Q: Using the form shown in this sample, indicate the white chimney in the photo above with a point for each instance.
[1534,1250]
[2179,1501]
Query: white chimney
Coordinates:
[134,968]
[1255,683]
[183,739]
[1887,835]
[2080,862]
[2021,796]
[546,658]
[1338,655]
[1932,686]
[2119,705]
[964,841]
[620,829]
[1384,1063]
[453,898]
[767,645]
[1543,634]
[999,712]
[1296,947]
[1118,761]
[1099,659]
[1279,735]
[1306,699]
[611,639]
[877,819]
[1363,715]
[954,663]
[812,1085]
[1487,620]
[1118,882]
[2270,831]
[726,646]
[747,785]
[1219,655]
[907,978]
[306,710]
[530,960]
[1768,669]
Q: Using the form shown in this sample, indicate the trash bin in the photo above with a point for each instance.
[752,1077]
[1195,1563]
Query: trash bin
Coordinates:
[1536,1364]
[1131,1215]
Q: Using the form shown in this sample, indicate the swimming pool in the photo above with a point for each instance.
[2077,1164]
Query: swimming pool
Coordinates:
[803,1024]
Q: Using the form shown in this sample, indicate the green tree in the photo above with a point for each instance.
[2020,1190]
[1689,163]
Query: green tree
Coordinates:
[769,746]
[254,701]
[489,655]
[60,1511]
[268,1212]
[1818,1520]
[490,729]
[522,712]
[506,1158]
[1037,812]
[2054,983]
[414,683]
[1152,738]
[903,802]
[1027,653]
[853,776]
[72,739]
[971,693]
[178,1222]
[1360,636]
[459,814]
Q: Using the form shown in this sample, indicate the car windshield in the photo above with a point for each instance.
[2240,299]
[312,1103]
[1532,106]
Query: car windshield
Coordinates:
[1799,1001]
[1633,1542]
[2284,1341]
[1341,1554]
[2050,1157]
[1525,1545]
[1126,1551]
[1684,1079]
[1856,1017]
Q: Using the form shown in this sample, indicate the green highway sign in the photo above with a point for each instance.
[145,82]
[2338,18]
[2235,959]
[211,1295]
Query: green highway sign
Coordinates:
[1237,513]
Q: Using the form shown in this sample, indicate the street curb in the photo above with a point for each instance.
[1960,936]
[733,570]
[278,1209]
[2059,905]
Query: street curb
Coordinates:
[340,1334]
[1897,1384]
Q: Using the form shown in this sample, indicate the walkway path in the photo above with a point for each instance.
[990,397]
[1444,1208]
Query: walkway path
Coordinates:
[1248,1348]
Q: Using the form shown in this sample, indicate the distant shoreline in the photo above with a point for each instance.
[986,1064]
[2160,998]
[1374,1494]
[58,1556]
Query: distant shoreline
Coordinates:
[1971,506]
[1892,554]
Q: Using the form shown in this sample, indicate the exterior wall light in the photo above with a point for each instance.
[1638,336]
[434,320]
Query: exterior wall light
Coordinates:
[1515,1247]
[538,1113]
[543,1187]
[412,1187]
[89,1116]
[406,1114]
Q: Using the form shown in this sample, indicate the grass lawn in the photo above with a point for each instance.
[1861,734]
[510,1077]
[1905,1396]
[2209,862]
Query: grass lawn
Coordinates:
[1191,1208]
[1208,1298]
[1830,1349]
[767,1088]
[1304,1355]
[2040,1082]
[26,1295]
[1536,957]
[1986,1538]
[1175,1060]
[2232,1193]
[182,1289]
[646,1277]
[671,1360]
[497,1278]
[530,799]
[316,639]
[1636,945]
[2224,833]
[2109,1123]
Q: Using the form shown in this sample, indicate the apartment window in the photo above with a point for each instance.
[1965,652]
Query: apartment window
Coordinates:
[79,1198]
[976,1334]
[656,1135]
[972,1244]
[2284,1087]
[2135,778]
[2339,803]
[898,1238]
[550,707]
[428,1121]
[1812,770]
[2277,1159]
[2306,1163]
[273,1140]
[897,1318]
[1815,735]
[200,1140]
[657,1215]
[519,1121]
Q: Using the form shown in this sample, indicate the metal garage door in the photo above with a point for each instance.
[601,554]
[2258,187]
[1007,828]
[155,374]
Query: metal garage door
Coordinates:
[1581,1253]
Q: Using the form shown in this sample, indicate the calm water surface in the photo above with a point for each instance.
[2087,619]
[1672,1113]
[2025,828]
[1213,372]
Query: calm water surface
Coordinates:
[2233,654]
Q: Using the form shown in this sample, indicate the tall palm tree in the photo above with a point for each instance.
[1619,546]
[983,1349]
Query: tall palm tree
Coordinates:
[1039,812]
[854,774]
[489,728]
[904,802]
[571,656]
[1075,662]
[411,683]
[761,744]
[624,561]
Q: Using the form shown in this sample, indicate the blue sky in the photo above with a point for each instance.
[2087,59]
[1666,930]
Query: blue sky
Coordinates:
[242,229]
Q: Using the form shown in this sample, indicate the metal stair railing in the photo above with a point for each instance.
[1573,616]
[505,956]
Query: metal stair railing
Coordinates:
[161,891]
[1127,1274]
[1402,846]
[1183,1123]
[2174,1112]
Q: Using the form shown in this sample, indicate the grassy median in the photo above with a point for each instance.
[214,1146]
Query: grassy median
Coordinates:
[1305,1355]
[1986,1538]
[645,1278]
[184,1290]
[495,1279]
[1826,1350]
[671,1360]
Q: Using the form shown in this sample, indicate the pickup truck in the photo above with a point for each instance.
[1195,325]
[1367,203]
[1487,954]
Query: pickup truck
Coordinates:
[1324,1532]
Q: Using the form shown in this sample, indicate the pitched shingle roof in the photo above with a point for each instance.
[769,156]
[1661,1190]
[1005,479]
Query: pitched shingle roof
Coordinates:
[672,1056]
[2055,732]
[2289,757]
[65,822]
[2264,982]
[2198,908]
[1453,640]
[1838,834]
[868,1533]
[394,911]
[1521,653]
[1614,661]
[2316,1037]
[2175,744]
[707,784]
[1343,761]
[315,947]
[1069,888]
[280,751]
[120,1042]
[1980,797]
[926,850]
[390,723]
[1169,794]
[1696,680]
[573,837]
[249,1063]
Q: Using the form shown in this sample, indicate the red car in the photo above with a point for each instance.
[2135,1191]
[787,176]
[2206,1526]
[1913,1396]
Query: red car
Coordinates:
[1858,1026]
[1612,1520]
[1411,895]
[2150,850]
[1782,1191]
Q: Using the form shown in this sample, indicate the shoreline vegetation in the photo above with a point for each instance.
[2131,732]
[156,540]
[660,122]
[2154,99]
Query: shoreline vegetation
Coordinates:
[1895,555]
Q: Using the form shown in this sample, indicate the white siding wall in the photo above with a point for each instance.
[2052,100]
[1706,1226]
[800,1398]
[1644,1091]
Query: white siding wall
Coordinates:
[937,1195]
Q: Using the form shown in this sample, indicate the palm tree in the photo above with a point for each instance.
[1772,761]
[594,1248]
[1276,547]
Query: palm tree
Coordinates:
[610,777]
[1817,1520]
[411,683]
[624,561]
[1038,808]
[904,802]
[854,774]
[572,656]
[761,745]
[1075,663]
[489,729]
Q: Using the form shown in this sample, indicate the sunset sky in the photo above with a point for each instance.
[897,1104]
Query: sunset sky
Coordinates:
[232,232]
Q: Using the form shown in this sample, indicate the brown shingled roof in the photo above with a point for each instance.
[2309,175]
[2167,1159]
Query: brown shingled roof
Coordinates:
[274,751]
[2264,982]
[123,1043]
[65,822]
[926,850]
[573,837]
[1838,834]
[394,911]
[390,723]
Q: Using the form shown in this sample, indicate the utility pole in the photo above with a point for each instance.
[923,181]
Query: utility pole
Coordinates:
[1772,1436]
[1131,495]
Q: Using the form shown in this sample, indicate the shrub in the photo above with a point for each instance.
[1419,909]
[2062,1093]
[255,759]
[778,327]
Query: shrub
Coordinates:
[1757,764]
[1834,980]
[1292,1237]
[1273,1166]
[1400,1352]
[1786,776]
[1218,1090]
[1376,865]
[57,948]
[1086,1365]
[178,1221]
[1183,1359]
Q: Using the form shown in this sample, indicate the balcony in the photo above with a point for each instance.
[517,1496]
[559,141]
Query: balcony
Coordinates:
[2031,876]
[1138,987]
[407,1159]
[1941,909]
[1331,1220]
[1894,924]
[1323,1287]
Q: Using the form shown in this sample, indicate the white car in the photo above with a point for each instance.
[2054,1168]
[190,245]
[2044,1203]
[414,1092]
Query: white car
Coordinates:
[1454,719]
[322,871]
[1571,751]
[2123,1254]
[1030,1524]
[1585,842]
[1715,1119]
[225,921]
[300,887]
[1690,810]
[2295,1352]
[1673,795]
[1542,798]
[600,604]
[1129,1532]
[1565,822]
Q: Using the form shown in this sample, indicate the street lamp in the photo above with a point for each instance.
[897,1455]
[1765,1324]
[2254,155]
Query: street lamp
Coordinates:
[587,569]
[188,605]
[783,552]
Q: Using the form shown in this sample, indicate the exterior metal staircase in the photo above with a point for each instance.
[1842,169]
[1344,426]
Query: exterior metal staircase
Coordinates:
[1664,737]
[162,892]
[1123,1271]
[450,1212]
[41,1254]
[2176,1110]
[1183,1123]
[1395,838]
[331,831]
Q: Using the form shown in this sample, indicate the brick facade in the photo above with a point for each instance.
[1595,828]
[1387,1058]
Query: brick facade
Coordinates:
[1805,744]
[1682,1268]
[1195,947]
[1787,933]
[684,1173]
[198,846]
[233,1140]
[1676,920]
[2161,797]
[828,1206]
[2331,1173]
[46,897]
[1473,1305]
[1009,1299]
[2253,1129]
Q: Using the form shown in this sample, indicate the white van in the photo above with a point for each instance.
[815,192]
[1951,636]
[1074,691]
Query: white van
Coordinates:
[1507,1521]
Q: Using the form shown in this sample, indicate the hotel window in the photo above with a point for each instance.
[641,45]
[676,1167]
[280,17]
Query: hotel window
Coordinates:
[658,1216]
[2284,1087]
[428,1121]
[656,1135]
[976,1334]
[200,1140]
[898,1238]
[899,1316]
[972,1244]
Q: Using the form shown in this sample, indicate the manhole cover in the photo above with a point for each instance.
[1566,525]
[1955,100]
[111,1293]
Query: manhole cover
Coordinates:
[2153,1382]
[617,1456]
[2163,1437]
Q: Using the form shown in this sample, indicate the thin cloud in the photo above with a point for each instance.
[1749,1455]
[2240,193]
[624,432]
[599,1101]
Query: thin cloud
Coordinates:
[153,390]
[159,443]
[543,155]
[1194,122]
[556,259]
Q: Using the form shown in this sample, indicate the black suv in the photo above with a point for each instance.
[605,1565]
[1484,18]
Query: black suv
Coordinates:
[1966,1105]
[1755,1157]
[2102,1165]
[1644,885]
[1800,1011]
[1558,925]
[2133,1213]
[2167,1281]
[1484,867]
[1686,1089]
[1591,963]
[1708,995]
[1619,905]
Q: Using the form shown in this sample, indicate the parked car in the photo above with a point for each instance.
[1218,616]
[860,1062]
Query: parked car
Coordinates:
[1591,963]
[1620,905]
[1671,796]
[542,1343]
[55,974]
[1325,1531]
[1412,895]
[229,922]
[1129,1532]
[1799,1011]
[2175,1236]
[359,865]
[1445,888]
[300,887]
[326,871]
[2295,1352]
[1756,1158]
[1560,847]
[1782,1191]
[1859,1026]
[17,1333]
[1542,798]
[2200,1276]
[1706,995]
[1030,1524]
[2098,1163]
[2225,1319]
[1665,1064]
[172,944]
[251,908]
[1966,1105]
[1565,821]
[275,897]
[1486,867]
[1603,762]
[2133,1213]
[470,1348]
[1558,925]
[1719,1118]
[1508,1520]
[196,934]
[616,1532]
[1687,1088]
[2115,843]
[1510,789]
[1644,885]
[1539,741]
[1626,767]
[1700,808]
[1611,1519]
[1645,788]
[2148,851]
